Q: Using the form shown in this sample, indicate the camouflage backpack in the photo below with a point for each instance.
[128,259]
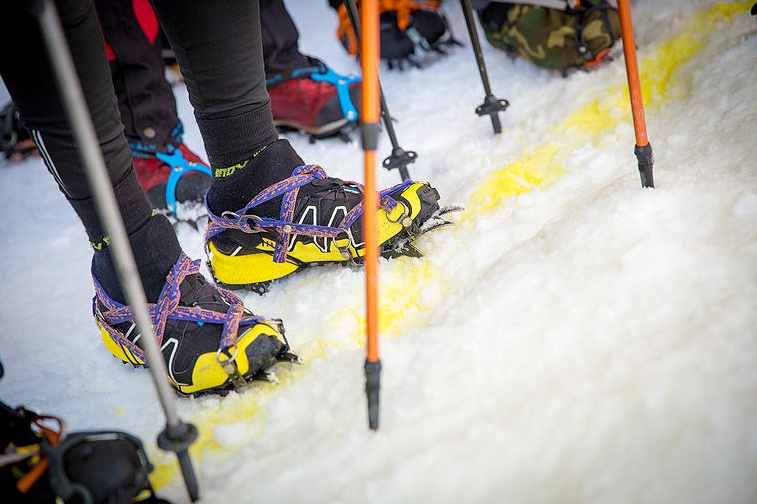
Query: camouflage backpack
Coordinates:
[553,38]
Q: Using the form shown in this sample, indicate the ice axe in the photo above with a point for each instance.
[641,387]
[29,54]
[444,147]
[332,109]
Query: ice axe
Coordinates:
[177,435]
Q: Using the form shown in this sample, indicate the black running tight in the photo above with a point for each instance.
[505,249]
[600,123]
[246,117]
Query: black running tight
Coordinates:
[217,44]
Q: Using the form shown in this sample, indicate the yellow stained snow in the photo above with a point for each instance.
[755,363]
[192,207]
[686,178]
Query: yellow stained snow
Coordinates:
[536,167]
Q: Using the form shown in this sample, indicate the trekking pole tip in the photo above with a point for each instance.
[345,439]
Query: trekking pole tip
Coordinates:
[177,438]
[372,386]
[645,157]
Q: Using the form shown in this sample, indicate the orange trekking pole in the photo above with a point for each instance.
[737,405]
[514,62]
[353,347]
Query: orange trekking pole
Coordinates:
[369,44]
[643,149]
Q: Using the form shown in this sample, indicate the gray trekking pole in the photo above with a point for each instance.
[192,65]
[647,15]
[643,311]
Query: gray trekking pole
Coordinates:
[399,158]
[177,435]
[492,105]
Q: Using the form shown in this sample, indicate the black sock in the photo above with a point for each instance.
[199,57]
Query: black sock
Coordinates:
[231,140]
[152,239]
[234,187]
[156,250]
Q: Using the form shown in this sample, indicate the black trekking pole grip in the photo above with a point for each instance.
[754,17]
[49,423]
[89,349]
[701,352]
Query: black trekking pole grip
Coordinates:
[80,121]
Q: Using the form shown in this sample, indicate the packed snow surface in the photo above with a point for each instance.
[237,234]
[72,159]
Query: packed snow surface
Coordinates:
[573,338]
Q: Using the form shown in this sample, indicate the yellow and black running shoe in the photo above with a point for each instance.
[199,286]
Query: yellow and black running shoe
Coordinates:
[320,222]
[209,341]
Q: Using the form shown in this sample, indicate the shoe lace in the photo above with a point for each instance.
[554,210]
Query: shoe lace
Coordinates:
[283,227]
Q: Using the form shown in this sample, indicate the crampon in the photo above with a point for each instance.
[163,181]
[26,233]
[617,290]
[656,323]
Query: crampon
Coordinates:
[210,342]
[319,224]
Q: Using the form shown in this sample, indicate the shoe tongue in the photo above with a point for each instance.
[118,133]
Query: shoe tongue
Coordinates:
[196,291]
[331,187]
[321,186]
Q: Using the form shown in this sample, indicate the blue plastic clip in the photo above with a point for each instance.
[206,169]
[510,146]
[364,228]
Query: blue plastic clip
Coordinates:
[342,84]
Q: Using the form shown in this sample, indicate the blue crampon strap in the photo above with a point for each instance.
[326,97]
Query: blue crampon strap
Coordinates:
[342,84]
[284,226]
[179,167]
[173,158]
[110,313]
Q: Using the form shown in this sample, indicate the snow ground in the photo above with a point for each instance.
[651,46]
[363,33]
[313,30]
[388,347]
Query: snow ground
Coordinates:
[574,338]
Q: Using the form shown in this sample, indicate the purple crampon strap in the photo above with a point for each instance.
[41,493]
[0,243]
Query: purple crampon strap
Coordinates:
[168,308]
[284,226]
[301,176]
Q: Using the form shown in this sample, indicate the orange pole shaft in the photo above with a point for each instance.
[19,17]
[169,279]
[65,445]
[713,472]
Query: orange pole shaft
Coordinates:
[369,49]
[371,262]
[632,72]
